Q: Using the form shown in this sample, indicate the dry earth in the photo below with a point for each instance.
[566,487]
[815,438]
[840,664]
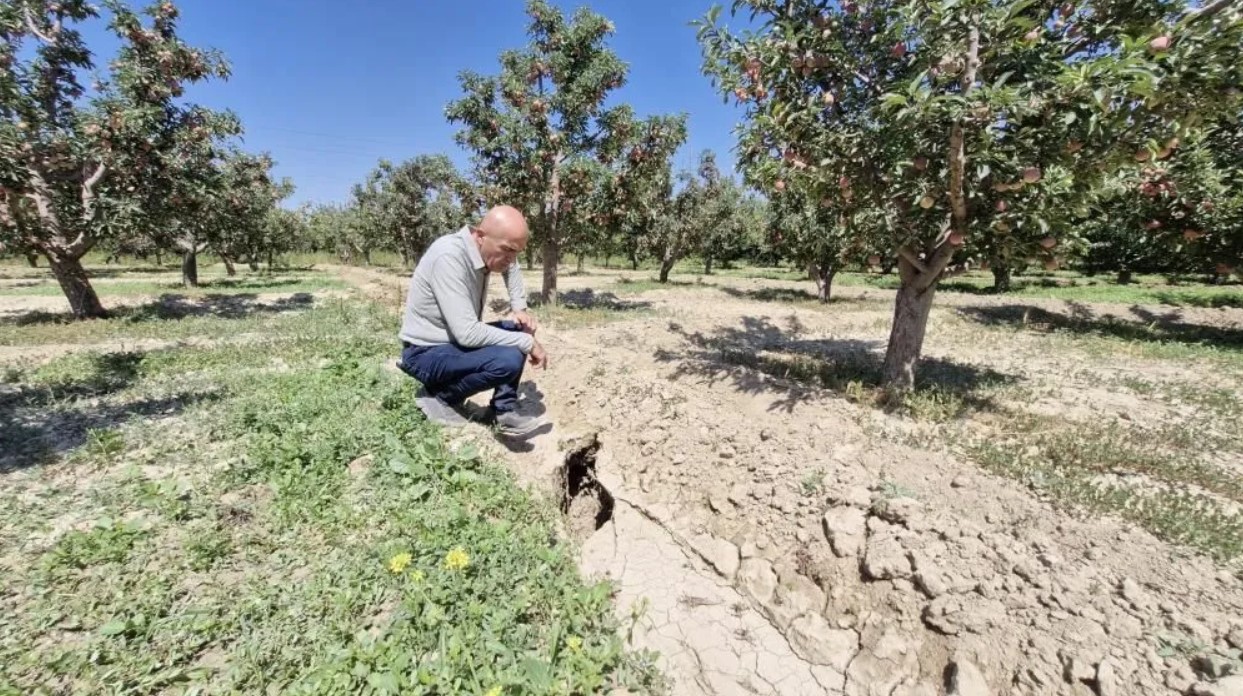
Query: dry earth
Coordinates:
[773,537]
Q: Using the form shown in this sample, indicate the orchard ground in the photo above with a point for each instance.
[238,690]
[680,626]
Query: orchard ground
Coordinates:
[1056,506]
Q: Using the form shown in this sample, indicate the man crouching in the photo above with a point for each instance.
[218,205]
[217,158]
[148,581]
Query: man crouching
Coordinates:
[445,343]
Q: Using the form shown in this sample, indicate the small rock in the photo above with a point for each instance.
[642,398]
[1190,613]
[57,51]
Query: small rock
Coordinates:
[737,494]
[1230,686]
[1076,669]
[1180,678]
[845,529]
[718,500]
[814,640]
[654,437]
[1049,560]
[1235,637]
[1094,554]
[885,559]
[748,549]
[966,679]
[1214,666]
[766,435]
[1133,593]
[858,496]
[726,452]
[360,466]
[901,511]
[960,481]
[722,555]
[795,595]
[931,583]
[757,578]
[1106,680]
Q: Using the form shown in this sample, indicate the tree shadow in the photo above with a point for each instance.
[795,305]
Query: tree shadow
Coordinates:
[776,295]
[762,357]
[579,300]
[1080,319]
[171,306]
[40,422]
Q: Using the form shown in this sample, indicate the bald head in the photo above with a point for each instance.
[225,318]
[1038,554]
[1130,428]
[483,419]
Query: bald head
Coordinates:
[501,236]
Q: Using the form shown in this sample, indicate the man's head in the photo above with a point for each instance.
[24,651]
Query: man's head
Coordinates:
[501,236]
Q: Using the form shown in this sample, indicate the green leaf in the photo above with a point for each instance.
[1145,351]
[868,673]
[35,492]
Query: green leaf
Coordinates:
[114,627]
[400,465]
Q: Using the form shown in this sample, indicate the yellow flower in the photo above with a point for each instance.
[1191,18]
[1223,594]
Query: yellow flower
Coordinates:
[457,558]
[398,563]
[494,691]
[574,643]
[417,576]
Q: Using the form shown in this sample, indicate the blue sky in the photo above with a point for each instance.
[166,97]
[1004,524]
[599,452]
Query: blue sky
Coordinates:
[330,87]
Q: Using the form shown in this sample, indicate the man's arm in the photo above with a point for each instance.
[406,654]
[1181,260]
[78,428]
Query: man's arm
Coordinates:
[517,290]
[518,298]
[450,284]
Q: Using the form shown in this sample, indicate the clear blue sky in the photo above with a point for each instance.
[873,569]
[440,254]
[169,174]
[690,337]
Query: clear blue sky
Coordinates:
[331,87]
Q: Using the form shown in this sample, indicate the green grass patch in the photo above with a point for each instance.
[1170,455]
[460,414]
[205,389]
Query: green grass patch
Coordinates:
[1095,467]
[306,532]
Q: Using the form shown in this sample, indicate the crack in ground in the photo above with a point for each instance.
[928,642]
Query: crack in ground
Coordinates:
[689,552]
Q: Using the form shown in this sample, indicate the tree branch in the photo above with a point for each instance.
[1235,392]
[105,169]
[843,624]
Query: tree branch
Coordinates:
[88,191]
[910,257]
[1209,10]
[30,25]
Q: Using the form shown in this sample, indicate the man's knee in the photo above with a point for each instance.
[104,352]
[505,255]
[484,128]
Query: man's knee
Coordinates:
[507,362]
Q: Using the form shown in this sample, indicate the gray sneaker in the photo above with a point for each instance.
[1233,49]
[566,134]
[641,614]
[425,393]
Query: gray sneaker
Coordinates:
[438,411]
[515,425]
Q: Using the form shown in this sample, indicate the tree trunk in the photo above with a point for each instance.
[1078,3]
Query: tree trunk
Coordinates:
[634,259]
[190,269]
[252,264]
[33,259]
[666,266]
[530,256]
[74,282]
[1125,277]
[824,282]
[906,339]
[550,253]
[366,257]
[607,258]
[271,258]
[708,265]
[580,263]
[229,268]
[1001,277]
[159,258]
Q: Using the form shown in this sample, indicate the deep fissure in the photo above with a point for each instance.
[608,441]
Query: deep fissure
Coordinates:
[585,502]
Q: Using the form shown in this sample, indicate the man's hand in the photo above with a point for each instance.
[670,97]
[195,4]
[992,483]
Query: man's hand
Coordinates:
[538,357]
[526,322]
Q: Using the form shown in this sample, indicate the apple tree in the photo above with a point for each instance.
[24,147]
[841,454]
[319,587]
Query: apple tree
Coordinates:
[544,111]
[964,125]
[74,163]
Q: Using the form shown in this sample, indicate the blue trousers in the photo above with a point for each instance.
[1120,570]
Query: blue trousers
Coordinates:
[453,374]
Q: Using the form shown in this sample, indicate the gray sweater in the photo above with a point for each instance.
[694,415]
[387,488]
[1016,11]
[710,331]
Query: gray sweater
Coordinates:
[445,300]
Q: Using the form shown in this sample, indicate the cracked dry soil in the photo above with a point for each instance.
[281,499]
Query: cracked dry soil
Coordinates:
[901,570]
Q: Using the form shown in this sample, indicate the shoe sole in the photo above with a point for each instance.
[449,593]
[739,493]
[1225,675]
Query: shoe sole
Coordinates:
[518,433]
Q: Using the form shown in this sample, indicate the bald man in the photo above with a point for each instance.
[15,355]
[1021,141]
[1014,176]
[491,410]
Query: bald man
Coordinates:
[445,343]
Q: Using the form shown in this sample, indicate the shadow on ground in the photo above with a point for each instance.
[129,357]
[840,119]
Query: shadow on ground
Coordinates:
[580,299]
[1168,327]
[176,306]
[778,360]
[40,422]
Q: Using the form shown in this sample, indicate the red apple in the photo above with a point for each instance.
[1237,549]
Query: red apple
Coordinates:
[1031,175]
[898,50]
[926,202]
[1143,156]
[1153,225]
[1074,146]
[827,98]
[873,260]
[956,239]
[1048,242]
[1032,36]
[741,94]
[921,164]
[1160,44]
[1002,206]
[780,185]
[1192,235]
[1050,264]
